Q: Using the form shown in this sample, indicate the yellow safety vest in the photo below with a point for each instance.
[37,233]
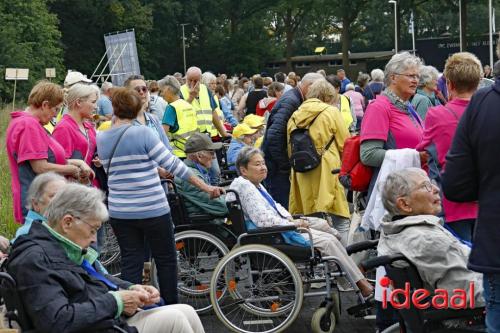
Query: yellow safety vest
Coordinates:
[345,110]
[202,107]
[188,125]
[214,131]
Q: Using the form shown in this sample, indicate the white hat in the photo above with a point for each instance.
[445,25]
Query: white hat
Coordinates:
[75,77]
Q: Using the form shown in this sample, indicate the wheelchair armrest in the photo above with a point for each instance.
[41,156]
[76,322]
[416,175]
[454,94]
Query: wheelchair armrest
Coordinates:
[197,218]
[361,246]
[225,183]
[271,230]
[381,261]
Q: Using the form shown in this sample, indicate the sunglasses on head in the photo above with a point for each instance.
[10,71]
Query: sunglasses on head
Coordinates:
[140,89]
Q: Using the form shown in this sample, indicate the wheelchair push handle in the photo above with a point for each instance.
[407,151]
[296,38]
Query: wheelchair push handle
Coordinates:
[335,171]
[381,261]
[361,246]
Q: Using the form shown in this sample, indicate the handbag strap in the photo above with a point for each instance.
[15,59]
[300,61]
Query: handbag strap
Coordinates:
[114,148]
[452,112]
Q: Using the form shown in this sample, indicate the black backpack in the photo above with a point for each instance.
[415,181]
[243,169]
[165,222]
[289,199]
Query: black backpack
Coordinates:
[304,155]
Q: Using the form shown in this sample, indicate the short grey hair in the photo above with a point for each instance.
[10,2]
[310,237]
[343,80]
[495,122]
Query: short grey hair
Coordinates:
[106,86]
[80,91]
[377,75]
[208,77]
[171,83]
[398,184]
[427,75]
[399,63]
[310,78]
[38,186]
[79,201]
[245,155]
[349,86]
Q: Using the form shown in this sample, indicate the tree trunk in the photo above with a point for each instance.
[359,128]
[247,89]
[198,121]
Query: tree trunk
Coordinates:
[289,35]
[463,17]
[346,41]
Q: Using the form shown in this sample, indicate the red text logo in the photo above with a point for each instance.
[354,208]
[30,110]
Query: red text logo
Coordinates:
[423,299]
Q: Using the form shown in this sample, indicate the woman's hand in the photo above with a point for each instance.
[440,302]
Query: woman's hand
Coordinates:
[97,162]
[152,292]
[214,191]
[301,223]
[164,174]
[133,300]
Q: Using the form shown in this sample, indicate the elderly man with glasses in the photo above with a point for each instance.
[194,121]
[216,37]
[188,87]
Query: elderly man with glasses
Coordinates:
[200,152]
[62,288]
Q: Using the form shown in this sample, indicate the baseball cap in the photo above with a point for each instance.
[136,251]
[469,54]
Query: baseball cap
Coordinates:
[199,141]
[243,129]
[254,121]
[75,77]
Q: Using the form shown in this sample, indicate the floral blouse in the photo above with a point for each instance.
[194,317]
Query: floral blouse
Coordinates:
[255,206]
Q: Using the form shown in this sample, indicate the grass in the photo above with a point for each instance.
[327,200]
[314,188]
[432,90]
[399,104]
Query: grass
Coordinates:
[8,225]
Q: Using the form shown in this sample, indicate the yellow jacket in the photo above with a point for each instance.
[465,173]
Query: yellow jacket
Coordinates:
[318,190]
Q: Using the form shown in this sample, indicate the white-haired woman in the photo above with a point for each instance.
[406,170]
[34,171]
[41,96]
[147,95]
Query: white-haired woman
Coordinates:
[357,100]
[426,92]
[412,228]
[210,80]
[41,191]
[76,132]
[376,85]
[391,122]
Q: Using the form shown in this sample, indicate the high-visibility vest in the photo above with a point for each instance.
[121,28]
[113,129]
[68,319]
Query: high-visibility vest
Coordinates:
[214,131]
[345,110]
[188,125]
[202,107]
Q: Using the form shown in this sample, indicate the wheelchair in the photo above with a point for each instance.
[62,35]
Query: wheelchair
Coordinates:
[200,245]
[400,270]
[109,255]
[259,286]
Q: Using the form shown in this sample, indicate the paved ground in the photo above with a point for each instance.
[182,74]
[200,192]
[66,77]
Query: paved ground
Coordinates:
[347,323]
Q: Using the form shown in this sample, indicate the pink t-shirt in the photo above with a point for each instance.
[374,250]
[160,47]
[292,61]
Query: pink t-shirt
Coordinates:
[28,140]
[76,145]
[357,100]
[440,126]
[382,117]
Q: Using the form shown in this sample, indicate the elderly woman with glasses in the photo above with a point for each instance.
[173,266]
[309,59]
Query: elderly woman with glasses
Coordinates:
[32,151]
[63,288]
[391,122]
[426,93]
[262,211]
[411,228]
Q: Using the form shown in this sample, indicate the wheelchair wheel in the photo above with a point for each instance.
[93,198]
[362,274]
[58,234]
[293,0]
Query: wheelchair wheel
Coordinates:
[264,290]
[198,253]
[336,304]
[321,322]
[110,251]
[395,328]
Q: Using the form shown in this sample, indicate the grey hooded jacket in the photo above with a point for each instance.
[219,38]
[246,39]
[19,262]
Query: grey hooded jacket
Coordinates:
[439,257]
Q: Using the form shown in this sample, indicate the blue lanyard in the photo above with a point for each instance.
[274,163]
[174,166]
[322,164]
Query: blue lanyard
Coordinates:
[270,200]
[98,276]
[414,114]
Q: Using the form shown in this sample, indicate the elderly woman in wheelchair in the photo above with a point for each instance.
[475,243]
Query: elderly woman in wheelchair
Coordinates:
[259,285]
[60,287]
[412,229]
[417,251]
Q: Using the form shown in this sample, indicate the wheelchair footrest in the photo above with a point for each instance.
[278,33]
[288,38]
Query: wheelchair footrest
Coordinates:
[360,309]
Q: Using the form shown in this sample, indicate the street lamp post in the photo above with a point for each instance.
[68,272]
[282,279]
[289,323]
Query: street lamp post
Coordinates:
[395,3]
[184,46]
[490,31]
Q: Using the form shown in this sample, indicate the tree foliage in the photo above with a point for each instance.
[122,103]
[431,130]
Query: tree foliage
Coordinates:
[221,35]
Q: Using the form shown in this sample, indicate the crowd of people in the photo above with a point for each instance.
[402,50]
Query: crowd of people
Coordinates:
[83,155]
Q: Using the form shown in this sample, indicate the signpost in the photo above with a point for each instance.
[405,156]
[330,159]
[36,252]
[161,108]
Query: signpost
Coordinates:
[50,73]
[16,74]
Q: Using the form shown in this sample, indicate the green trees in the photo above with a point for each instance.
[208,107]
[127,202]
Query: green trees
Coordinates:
[29,38]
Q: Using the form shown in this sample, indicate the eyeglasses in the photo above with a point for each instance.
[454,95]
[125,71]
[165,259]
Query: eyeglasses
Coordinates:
[140,89]
[93,228]
[429,187]
[414,77]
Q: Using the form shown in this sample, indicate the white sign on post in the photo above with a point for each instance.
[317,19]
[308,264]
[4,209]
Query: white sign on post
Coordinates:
[16,74]
[50,73]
